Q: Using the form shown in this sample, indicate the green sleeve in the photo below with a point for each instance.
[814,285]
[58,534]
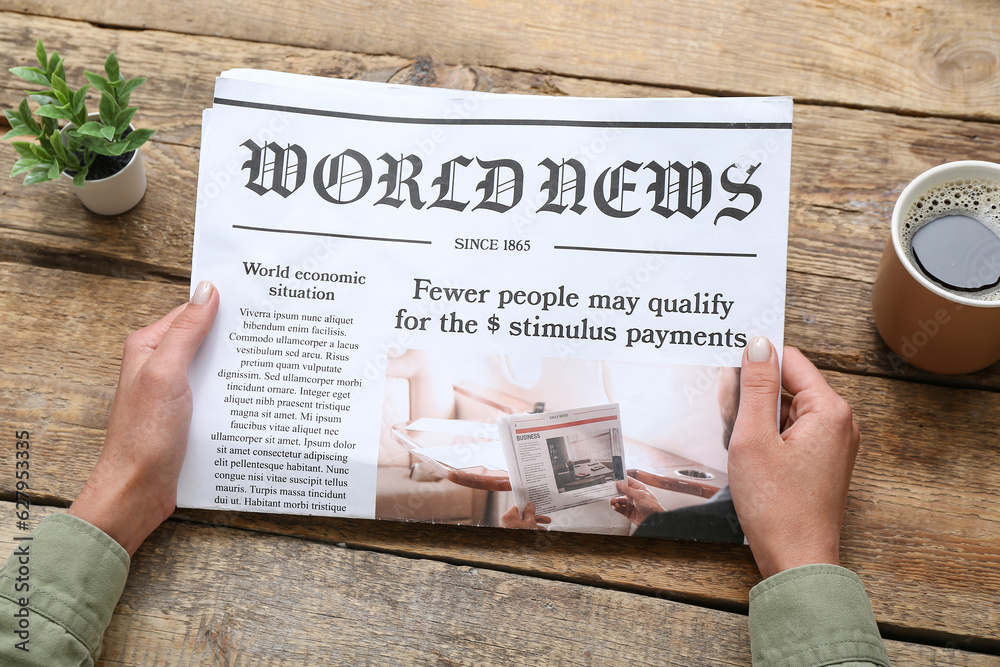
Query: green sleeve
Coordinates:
[814,615]
[57,593]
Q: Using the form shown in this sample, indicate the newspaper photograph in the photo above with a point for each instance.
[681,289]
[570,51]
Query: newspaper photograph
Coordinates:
[559,460]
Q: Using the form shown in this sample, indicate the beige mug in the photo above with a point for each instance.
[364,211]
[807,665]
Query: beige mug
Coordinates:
[930,327]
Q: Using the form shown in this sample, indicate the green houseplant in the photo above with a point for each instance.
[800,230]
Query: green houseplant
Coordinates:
[98,150]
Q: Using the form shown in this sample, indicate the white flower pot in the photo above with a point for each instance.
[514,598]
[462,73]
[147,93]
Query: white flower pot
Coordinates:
[116,193]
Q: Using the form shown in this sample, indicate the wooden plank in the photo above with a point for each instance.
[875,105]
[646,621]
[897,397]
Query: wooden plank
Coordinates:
[210,594]
[922,484]
[938,58]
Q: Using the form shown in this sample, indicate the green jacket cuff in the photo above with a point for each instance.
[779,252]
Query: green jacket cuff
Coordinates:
[69,575]
[813,615]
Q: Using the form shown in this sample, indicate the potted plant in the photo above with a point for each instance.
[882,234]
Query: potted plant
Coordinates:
[98,151]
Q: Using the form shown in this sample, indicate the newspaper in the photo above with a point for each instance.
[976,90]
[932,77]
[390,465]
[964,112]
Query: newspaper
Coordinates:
[398,267]
[559,460]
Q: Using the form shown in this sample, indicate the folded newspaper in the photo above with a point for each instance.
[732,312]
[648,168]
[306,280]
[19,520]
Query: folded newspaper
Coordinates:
[559,460]
[400,268]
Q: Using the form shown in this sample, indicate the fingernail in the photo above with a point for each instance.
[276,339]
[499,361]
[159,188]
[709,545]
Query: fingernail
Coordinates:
[202,293]
[759,349]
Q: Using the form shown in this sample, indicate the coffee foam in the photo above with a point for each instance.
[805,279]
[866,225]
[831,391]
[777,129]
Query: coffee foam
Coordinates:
[977,198]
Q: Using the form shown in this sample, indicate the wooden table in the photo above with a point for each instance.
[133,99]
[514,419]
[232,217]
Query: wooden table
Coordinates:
[883,91]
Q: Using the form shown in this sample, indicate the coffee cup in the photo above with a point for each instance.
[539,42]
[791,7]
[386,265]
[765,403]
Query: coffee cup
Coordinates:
[923,315]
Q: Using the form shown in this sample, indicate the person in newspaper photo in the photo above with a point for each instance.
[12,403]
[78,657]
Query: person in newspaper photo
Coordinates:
[789,488]
[714,520]
[447,442]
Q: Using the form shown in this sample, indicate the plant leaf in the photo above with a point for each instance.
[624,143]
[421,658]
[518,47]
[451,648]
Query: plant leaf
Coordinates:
[56,148]
[37,175]
[90,129]
[60,88]
[53,172]
[49,126]
[80,114]
[118,148]
[72,162]
[57,66]
[25,112]
[23,165]
[80,176]
[39,152]
[108,132]
[79,101]
[138,138]
[23,148]
[52,111]
[130,85]
[99,82]
[31,75]
[111,67]
[109,109]
[41,54]
[94,146]
[87,142]
[20,131]
[15,120]
[44,97]
[123,119]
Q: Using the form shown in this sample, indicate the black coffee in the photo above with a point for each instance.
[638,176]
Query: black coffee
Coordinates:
[952,234]
[958,252]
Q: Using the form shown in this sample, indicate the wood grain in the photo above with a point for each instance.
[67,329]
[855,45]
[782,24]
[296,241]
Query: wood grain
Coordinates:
[848,168]
[923,483]
[181,69]
[293,601]
[922,521]
[906,55]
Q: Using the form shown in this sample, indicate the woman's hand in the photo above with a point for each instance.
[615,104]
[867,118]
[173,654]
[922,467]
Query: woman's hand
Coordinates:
[133,487]
[790,486]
